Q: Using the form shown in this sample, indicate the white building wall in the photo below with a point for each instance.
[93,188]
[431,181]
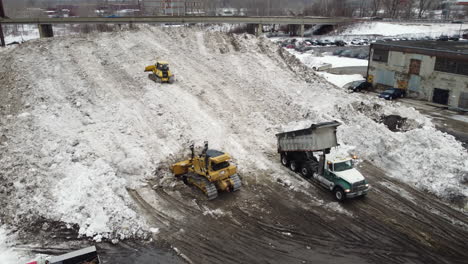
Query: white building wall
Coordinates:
[395,73]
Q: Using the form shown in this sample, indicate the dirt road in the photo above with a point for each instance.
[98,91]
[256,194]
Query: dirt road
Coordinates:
[268,223]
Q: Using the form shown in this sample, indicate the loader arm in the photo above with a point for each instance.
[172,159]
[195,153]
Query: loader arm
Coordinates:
[150,68]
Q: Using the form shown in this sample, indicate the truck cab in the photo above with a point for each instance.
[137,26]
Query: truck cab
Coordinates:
[339,176]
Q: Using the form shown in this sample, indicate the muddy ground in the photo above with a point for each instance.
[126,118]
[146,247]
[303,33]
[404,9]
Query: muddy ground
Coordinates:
[267,223]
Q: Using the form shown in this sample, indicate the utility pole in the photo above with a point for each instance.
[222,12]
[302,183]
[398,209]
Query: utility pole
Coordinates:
[2,15]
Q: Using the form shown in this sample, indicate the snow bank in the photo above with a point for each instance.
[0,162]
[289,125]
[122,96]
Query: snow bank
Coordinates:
[7,255]
[341,79]
[395,28]
[85,122]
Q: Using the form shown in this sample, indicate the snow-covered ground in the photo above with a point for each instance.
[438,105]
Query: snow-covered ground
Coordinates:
[407,29]
[20,33]
[340,79]
[86,123]
[311,60]
[7,254]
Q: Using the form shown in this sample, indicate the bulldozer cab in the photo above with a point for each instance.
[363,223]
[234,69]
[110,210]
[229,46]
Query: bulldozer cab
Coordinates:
[162,65]
[218,160]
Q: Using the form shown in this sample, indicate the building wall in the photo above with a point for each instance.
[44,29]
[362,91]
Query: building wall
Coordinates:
[395,73]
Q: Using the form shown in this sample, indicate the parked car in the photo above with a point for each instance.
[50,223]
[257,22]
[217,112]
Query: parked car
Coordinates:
[392,93]
[356,41]
[363,56]
[443,38]
[358,86]
[324,42]
[346,53]
[340,43]
[338,52]
[454,38]
[305,48]
[355,53]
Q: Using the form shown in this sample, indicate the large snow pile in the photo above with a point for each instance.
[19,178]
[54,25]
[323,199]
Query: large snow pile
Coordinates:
[81,122]
[398,28]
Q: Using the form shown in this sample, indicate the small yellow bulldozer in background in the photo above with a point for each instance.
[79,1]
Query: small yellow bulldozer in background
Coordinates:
[210,172]
[160,72]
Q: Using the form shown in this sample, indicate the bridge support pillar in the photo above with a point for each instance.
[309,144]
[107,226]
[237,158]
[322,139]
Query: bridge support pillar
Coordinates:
[259,30]
[301,31]
[45,30]
[2,37]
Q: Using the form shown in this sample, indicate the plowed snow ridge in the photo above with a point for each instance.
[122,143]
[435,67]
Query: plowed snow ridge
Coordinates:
[85,122]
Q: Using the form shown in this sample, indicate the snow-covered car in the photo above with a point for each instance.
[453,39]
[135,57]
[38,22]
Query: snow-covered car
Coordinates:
[356,41]
[392,93]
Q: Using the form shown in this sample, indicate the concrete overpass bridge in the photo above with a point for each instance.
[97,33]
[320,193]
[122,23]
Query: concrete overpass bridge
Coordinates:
[46,24]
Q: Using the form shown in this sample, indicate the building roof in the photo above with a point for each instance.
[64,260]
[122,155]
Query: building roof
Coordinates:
[454,46]
[428,47]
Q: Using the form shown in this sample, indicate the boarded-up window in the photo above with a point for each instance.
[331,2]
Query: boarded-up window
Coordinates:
[415,67]
[463,101]
[451,65]
[380,55]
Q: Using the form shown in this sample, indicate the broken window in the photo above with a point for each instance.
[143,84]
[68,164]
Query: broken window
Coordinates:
[380,55]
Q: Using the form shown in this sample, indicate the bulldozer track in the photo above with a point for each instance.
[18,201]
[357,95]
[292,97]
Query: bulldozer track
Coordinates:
[211,190]
[237,182]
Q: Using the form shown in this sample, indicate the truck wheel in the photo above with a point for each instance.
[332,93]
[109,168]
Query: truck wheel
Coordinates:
[339,194]
[305,172]
[284,160]
[184,179]
[293,165]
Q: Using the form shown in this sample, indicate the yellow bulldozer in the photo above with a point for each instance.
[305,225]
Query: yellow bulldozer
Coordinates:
[210,172]
[160,72]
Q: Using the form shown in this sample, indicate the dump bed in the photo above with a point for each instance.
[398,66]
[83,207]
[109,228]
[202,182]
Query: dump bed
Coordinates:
[317,137]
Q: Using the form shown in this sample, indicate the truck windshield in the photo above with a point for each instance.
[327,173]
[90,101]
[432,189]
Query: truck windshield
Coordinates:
[219,166]
[342,166]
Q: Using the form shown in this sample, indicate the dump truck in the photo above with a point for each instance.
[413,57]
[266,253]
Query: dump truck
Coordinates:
[210,171]
[305,151]
[87,255]
[160,72]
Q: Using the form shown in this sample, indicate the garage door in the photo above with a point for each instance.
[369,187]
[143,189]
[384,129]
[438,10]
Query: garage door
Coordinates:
[463,102]
[385,77]
[440,96]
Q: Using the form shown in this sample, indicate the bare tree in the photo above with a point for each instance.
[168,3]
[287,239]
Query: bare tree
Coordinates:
[424,6]
[393,7]
[376,5]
